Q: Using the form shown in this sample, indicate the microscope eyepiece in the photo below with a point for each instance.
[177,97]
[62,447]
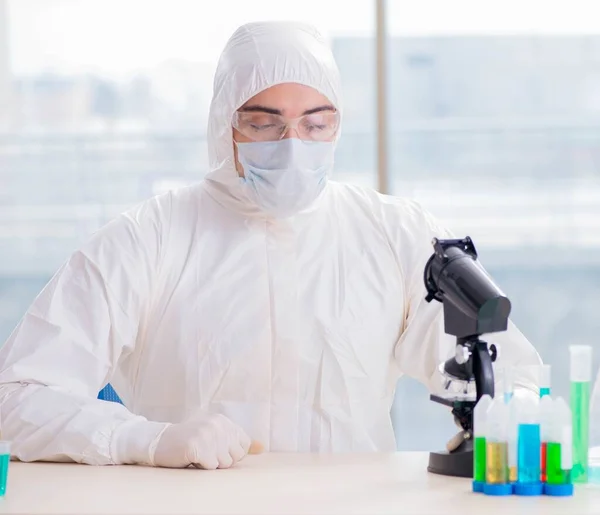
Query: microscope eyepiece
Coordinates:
[473,303]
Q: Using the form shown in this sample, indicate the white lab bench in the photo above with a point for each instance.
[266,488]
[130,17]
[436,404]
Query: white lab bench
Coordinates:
[271,484]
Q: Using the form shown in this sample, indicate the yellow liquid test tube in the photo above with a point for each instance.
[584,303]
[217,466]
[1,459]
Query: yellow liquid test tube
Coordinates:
[496,463]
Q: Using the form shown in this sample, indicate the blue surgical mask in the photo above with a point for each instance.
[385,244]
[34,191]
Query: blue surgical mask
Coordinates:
[285,177]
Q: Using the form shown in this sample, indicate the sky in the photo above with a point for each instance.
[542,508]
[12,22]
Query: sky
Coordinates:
[115,37]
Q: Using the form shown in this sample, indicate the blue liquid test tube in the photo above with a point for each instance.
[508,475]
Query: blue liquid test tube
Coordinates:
[529,449]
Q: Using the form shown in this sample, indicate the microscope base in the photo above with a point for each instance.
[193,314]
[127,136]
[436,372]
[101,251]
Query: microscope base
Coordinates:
[458,463]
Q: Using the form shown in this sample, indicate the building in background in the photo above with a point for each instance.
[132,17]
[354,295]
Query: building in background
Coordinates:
[513,106]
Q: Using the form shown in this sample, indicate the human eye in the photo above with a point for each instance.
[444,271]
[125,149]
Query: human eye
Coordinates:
[314,125]
[320,122]
[316,128]
[261,127]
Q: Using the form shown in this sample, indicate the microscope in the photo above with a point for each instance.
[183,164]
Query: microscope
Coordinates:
[473,305]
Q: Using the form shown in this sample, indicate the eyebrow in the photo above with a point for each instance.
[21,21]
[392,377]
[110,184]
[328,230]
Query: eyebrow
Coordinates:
[269,110]
[320,109]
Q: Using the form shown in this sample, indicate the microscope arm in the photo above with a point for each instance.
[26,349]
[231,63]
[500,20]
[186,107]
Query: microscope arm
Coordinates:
[482,368]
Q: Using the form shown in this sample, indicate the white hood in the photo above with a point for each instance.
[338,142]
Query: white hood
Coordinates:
[256,57]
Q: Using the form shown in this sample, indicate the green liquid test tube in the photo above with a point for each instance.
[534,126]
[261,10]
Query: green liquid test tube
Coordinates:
[581,375]
[555,474]
[559,454]
[4,461]
[479,465]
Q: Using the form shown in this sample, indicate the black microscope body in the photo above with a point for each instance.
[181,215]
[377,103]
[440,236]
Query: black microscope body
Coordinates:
[473,305]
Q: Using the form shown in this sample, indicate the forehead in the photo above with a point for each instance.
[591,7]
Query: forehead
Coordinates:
[290,98]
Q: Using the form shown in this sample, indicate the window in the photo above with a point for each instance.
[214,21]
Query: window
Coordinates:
[494,126]
[108,106]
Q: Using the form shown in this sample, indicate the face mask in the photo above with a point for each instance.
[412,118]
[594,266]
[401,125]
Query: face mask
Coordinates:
[286,176]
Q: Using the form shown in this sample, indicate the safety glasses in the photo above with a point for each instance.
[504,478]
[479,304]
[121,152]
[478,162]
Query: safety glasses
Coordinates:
[260,126]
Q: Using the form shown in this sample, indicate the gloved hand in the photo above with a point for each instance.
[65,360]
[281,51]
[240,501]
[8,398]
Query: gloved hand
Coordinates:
[208,442]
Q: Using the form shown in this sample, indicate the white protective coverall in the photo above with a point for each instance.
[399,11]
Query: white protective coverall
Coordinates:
[296,329]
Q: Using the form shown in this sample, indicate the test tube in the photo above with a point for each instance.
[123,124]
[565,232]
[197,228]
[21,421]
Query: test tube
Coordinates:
[529,449]
[581,375]
[546,426]
[560,456]
[4,461]
[544,380]
[496,477]
[479,431]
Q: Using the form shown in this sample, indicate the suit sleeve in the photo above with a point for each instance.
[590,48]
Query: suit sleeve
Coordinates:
[71,338]
[423,344]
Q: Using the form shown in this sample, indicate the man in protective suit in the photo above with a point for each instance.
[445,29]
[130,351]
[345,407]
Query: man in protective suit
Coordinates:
[266,303]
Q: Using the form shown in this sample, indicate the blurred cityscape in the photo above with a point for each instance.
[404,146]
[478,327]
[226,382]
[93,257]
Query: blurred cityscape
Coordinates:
[497,136]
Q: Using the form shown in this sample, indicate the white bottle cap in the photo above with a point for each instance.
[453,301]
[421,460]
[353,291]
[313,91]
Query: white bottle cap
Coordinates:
[563,432]
[581,363]
[480,414]
[544,379]
[497,421]
[528,410]
[513,431]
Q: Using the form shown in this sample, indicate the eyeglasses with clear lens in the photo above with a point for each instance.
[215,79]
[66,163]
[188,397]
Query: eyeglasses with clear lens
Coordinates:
[260,126]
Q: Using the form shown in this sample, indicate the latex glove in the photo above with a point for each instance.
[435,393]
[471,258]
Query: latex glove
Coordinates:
[208,442]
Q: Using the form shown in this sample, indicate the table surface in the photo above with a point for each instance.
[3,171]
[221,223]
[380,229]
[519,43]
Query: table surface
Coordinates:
[271,484]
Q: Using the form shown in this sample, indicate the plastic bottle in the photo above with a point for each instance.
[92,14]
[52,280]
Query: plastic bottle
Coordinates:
[529,448]
[560,457]
[480,414]
[594,443]
[581,376]
[547,416]
[496,477]
[513,439]
[546,412]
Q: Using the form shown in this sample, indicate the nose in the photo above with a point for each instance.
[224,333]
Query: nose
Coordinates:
[291,132]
